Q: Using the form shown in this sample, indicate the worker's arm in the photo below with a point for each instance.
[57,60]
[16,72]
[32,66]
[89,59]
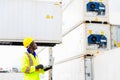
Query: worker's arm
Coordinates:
[25,65]
[40,68]
[42,71]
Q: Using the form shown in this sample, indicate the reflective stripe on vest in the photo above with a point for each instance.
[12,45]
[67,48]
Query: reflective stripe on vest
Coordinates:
[27,70]
[30,59]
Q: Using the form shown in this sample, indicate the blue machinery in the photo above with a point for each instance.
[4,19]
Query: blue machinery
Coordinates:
[98,7]
[98,39]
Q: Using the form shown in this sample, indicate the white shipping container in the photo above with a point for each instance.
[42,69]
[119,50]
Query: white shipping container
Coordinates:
[71,70]
[28,18]
[78,41]
[68,64]
[80,11]
[106,65]
[72,13]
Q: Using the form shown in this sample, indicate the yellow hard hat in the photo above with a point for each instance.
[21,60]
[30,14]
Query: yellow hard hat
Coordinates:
[27,41]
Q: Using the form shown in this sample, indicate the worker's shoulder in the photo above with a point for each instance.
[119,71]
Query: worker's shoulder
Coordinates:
[24,57]
[25,54]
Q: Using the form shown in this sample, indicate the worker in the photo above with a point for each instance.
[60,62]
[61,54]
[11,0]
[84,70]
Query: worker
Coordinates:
[30,65]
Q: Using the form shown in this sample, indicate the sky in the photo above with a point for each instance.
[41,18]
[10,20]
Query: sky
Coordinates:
[11,55]
[114,9]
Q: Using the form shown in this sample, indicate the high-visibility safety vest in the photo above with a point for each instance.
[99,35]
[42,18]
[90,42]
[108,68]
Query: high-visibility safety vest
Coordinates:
[28,64]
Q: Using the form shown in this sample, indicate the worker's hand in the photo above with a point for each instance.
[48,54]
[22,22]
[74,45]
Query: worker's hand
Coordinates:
[40,66]
[47,68]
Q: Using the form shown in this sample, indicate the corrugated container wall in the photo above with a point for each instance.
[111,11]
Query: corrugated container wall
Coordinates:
[30,18]
[115,36]
[106,65]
